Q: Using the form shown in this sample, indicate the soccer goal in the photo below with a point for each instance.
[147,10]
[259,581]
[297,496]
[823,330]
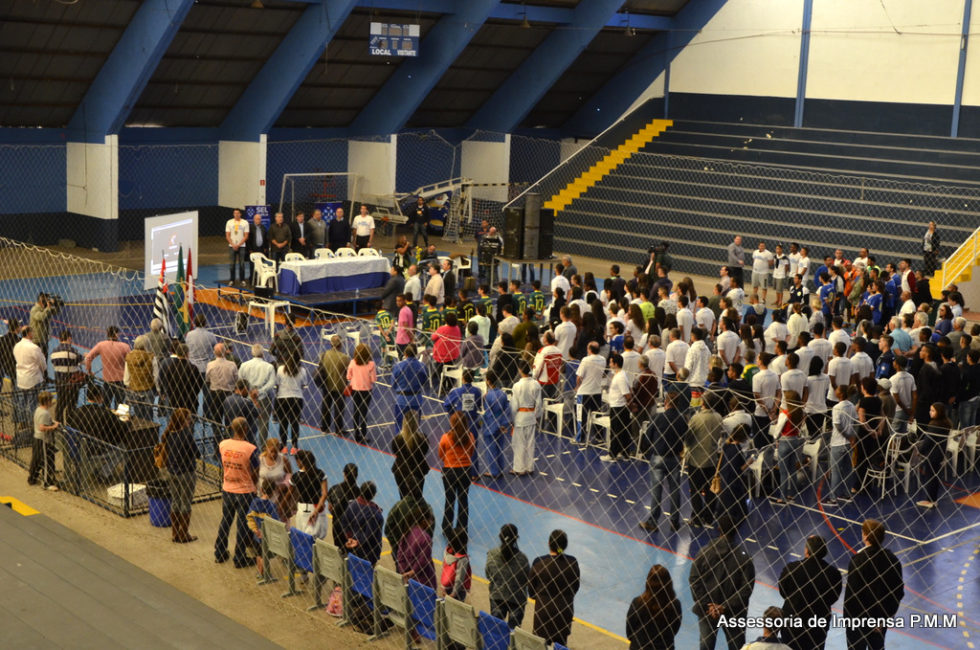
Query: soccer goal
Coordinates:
[301,192]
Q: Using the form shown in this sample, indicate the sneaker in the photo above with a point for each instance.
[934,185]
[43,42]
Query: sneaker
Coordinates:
[829,503]
[285,451]
[606,458]
[52,488]
[648,525]
[845,499]
[925,504]
[292,451]
[776,501]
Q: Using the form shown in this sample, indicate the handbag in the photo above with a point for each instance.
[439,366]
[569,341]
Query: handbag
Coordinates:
[348,390]
[716,479]
[160,454]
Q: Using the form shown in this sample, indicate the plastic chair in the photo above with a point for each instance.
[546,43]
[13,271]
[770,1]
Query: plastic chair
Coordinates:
[276,543]
[265,269]
[524,640]
[494,632]
[811,449]
[295,257]
[423,602]
[328,564]
[456,623]
[557,407]
[392,597]
[368,252]
[894,449]
[765,459]
[345,252]
[302,549]
[323,254]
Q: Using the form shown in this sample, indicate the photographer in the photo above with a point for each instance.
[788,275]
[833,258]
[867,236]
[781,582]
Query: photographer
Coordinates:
[657,257]
[46,306]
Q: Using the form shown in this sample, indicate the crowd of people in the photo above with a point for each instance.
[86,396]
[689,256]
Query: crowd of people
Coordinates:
[854,356]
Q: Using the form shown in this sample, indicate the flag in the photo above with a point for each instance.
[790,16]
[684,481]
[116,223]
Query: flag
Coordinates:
[161,305]
[190,290]
[181,311]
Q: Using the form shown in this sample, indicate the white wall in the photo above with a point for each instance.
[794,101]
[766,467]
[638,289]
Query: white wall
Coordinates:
[749,47]
[241,173]
[375,164]
[93,178]
[487,162]
[653,91]
[857,52]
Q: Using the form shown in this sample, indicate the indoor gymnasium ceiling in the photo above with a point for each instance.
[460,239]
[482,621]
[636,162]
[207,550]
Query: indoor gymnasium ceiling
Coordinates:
[50,52]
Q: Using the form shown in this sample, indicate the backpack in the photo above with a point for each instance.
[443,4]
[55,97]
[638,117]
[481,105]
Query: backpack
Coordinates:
[448,578]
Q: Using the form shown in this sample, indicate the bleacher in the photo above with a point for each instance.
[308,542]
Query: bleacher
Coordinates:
[700,183]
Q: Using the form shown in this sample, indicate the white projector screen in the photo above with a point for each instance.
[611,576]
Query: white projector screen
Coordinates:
[163,237]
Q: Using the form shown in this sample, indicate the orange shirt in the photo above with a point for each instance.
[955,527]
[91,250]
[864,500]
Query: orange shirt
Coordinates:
[238,457]
[453,455]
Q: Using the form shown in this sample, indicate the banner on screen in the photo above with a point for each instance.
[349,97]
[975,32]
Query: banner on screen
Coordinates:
[163,236]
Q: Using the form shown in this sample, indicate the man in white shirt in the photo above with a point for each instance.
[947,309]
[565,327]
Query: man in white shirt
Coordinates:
[805,354]
[793,379]
[839,334]
[509,321]
[777,331]
[765,389]
[236,234]
[839,370]
[762,261]
[363,227]
[908,305]
[819,346]
[778,364]
[794,259]
[704,317]
[780,271]
[906,396]
[655,357]
[697,360]
[675,355]
[547,369]
[565,333]
[619,414]
[435,286]
[737,296]
[796,324]
[631,360]
[560,281]
[727,342]
[685,319]
[861,261]
[413,285]
[526,405]
[803,265]
[862,365]
[588,388]
[32,370]
[261,376]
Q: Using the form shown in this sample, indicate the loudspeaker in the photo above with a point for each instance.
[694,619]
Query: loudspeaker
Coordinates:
[262,292]
[531,238]
[532,210]
[241,322]
[546,240]
[513,233]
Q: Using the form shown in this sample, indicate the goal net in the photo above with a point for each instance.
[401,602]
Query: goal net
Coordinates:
[302,192]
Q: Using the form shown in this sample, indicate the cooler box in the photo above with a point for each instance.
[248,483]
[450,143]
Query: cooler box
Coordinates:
[137,495]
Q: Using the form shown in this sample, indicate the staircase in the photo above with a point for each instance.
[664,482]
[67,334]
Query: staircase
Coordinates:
[958,267]
[607,164]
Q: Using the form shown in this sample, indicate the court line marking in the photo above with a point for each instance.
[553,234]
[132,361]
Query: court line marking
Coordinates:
[19,506]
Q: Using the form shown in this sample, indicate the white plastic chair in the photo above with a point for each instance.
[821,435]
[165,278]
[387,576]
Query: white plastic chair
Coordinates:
[556,406]
[811,449]
[294,257]
[345,252]
[368,252]
[265,269]
[323,254]
[894,450]
[765,459]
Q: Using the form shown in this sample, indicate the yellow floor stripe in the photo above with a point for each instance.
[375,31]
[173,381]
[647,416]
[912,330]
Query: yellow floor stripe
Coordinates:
[19,506]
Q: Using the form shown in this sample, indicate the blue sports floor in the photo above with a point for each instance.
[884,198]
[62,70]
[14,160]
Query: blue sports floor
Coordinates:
[599,505]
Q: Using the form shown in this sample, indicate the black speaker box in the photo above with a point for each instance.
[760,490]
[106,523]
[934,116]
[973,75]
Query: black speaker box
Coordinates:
[513,233]
[546,236]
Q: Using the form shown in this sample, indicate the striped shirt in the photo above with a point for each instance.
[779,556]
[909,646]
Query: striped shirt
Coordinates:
[65,360]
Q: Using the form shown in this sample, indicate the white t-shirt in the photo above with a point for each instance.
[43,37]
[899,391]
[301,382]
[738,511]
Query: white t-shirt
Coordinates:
[794,379]
[676,352]
[862,365]
[685,321]
[705,319]
[727,342]
[816,398]
[761,261]
[803,268]
[775,332]
[560,281]
[737,296]
[840,369]
[794,263]
[565,337]
[656,358]
[618,390]
[839,336]
[902,386]
[237,231]
[781,266]
[697,361]
[363,225]
[631,364]
[765,383]
[821,348]
[591,370]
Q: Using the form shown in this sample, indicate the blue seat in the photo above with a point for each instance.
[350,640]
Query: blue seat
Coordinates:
[423,600]
[558,646]
[361,576]
[302,549]
[494,632]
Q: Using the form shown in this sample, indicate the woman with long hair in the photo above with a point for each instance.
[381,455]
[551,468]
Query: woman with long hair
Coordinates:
[636,323]
[792,435]
[456,455]
[290,382]
[182,454]
[275,468]
[507,572]
[944,322]
[590,291]
[599,312]
[654,617]
[692,293]
[362,375]
[935,436]
[410,449]
[746,343]
[311,493]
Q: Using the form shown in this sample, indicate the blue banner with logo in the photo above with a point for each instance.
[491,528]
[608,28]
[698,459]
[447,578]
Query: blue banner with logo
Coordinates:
[263,210]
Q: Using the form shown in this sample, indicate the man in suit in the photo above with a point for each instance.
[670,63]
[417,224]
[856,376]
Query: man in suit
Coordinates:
[180,380]
[338,231]
[300,235]
[810,586]
[318,231]
[258,241]
[875,587]
[394,287]
[279,238]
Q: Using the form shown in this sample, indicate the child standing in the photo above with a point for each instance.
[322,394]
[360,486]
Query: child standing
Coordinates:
[263,506]
[456,571]
[43,450]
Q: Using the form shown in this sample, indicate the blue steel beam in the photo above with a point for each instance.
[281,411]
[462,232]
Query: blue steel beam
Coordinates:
[515,98]
[391,106]
[622,89]
[954,128]
[804,63]
[270,91]
[121,80]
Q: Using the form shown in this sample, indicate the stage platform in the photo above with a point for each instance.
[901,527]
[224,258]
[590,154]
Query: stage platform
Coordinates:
[61,590]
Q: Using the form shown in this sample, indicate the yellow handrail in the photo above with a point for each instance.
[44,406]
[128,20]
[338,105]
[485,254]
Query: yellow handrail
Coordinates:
[962,258]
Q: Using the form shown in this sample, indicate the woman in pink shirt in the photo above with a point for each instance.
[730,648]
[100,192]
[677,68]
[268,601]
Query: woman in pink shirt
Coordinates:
[361,375]
[113,353]
[406,323]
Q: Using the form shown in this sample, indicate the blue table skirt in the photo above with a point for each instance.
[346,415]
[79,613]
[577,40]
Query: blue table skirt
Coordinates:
[290,287]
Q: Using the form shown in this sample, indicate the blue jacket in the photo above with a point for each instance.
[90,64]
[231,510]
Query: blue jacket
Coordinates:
[408,379]
[468,399]
[497,414]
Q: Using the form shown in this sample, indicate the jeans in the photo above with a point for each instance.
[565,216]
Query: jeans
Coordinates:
[332,411]
[901,421]
[510,613]
[67,399]
[234,507]
[115,393]
[619,431]
[665,469]
[265,410]
[708,627]
[590,403]
[968,412]
[42,460]
[362,400]
[456,483]
[790,455]
[237,257]
[288,410]
[702,498]
[25,404]
[840,472]
[420,229]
